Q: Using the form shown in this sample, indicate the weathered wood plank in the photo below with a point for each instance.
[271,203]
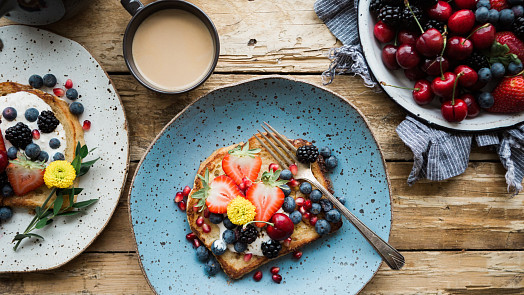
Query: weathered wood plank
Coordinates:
[297,42]
[448,273]
[456,214]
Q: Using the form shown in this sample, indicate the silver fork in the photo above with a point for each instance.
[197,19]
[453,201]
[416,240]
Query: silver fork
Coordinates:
[285,156]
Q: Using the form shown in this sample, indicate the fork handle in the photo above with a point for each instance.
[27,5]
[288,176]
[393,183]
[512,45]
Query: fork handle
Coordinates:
[393,258]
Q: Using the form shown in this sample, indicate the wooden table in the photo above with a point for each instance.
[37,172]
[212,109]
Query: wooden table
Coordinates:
[460,236]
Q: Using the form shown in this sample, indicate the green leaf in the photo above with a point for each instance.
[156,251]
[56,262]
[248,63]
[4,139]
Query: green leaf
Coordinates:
[38,211]
[47,213]
[83,171]
[41,224]
[92,150]
[84,151]
[77,163]
[77,149]
[68,213]
[36,236]
[90,163]
[57,205]
[77,190]
[71,197]
[20,237]
[84,203]
[498,49]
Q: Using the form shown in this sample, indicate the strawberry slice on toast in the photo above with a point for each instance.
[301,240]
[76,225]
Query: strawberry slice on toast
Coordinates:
[25,175]
[242,162]
[267,196]
[216,194]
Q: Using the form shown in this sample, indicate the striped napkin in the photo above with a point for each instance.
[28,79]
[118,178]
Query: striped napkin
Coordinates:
[438,154]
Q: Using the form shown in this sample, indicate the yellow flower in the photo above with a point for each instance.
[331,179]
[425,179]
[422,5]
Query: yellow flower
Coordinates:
[240,211]
[59,174]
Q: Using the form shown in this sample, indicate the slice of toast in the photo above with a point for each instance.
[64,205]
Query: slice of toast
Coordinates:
[74,134]
[233,263]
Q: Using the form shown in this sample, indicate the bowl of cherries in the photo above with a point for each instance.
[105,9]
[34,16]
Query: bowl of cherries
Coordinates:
[456,64]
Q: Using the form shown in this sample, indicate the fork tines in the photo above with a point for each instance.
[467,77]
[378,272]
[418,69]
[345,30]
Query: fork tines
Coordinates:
[284,153]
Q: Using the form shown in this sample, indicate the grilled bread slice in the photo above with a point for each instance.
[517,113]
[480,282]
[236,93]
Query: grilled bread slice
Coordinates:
[74,134]
[233,263]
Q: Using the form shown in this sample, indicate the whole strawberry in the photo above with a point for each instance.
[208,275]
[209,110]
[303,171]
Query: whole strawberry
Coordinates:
[509,96]
[498,4]
[516,46]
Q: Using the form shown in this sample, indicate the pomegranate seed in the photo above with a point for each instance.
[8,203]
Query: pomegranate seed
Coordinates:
[206,228]
[277,278]
[178,197]
[59,92]
[257,276]
[308,204]
[68,84]
[206,213]
[306,216]
[247,257]
[182,205]
[87,125]
[274,167]
[287,242]
[36,134]
[196,243]
[247,182]
[200,221]
[313,219]
[302,210]
[275,269]
[297,254]
[190,237]
[293,183]
[294,169]
[196,208]
[299,201]
[186,191]
[242,186]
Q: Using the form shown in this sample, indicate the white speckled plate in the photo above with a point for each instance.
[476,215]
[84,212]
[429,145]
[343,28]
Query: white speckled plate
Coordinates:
[28,51]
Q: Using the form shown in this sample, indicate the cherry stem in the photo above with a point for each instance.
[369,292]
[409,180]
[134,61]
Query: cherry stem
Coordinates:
[481,27]
[255,221]
[400,87]
[406,2]
[445,36]
[455,88]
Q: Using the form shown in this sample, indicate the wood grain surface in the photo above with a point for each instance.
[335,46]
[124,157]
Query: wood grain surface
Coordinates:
[460,236]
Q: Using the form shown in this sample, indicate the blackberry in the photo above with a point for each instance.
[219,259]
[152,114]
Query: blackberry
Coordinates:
[434,24]
[375,6]
[390,15]
[248,234]
[477,61]
[423,3]
[271,248]
[518,27]
[19,135]
[408,21]
[47,122]
[3,179]
[393,2]
[307,154]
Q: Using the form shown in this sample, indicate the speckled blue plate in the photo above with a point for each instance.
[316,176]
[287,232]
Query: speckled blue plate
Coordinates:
[340,263]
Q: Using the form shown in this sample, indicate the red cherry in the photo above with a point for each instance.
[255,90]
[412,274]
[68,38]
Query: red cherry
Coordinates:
[422,94]
[389,58]
[383,32]
[443,86]
[407,56]
[459,48]
[274,270]
[4,160]
[415,74]
[257,276]
[454,112]
[479,85]
[461,22]
[432,66]
[465,4]
[282,227]
[473,107]
[440,11]
[407,37]
[468,78]
[483,36]
[430,43]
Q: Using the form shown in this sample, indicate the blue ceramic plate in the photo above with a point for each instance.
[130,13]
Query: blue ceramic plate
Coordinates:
[342,262]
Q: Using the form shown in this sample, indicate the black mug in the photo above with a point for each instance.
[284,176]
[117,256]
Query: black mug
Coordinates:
[40,12]
[140,13]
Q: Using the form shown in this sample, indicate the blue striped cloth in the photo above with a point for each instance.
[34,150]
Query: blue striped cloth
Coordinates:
[438,154]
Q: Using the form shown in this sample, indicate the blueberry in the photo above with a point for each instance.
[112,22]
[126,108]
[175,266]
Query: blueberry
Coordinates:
[43,156]
[219,247]
[315,196]
[515,2]
[305,188]
[342,200]
[49,80]
[212,267]
[322,227]
[12,153]
[326,205]
[76,108]
[54,143]
[514,68]
[483,3]
[315,208]
[333,215]
[289,205]
[331,162]
[485,100]
[484,75]
[482,14]
[325,152]
[7,191]
[507,16]
[228,224]
[286,174]
[518,10]
[202,253]
[240,247]
[36,81]
[9,114]
[493,17]
[216,218]
[296,217]
[286,189]
[58,156]
[229,236]
[32,150]
[72,94]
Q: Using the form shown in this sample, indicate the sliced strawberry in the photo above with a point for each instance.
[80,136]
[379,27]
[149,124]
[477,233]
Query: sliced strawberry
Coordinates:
[242,162]
[217,194]
[24,175]
[266,196]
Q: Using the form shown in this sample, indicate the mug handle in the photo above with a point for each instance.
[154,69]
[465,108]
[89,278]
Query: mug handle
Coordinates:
[132,6]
